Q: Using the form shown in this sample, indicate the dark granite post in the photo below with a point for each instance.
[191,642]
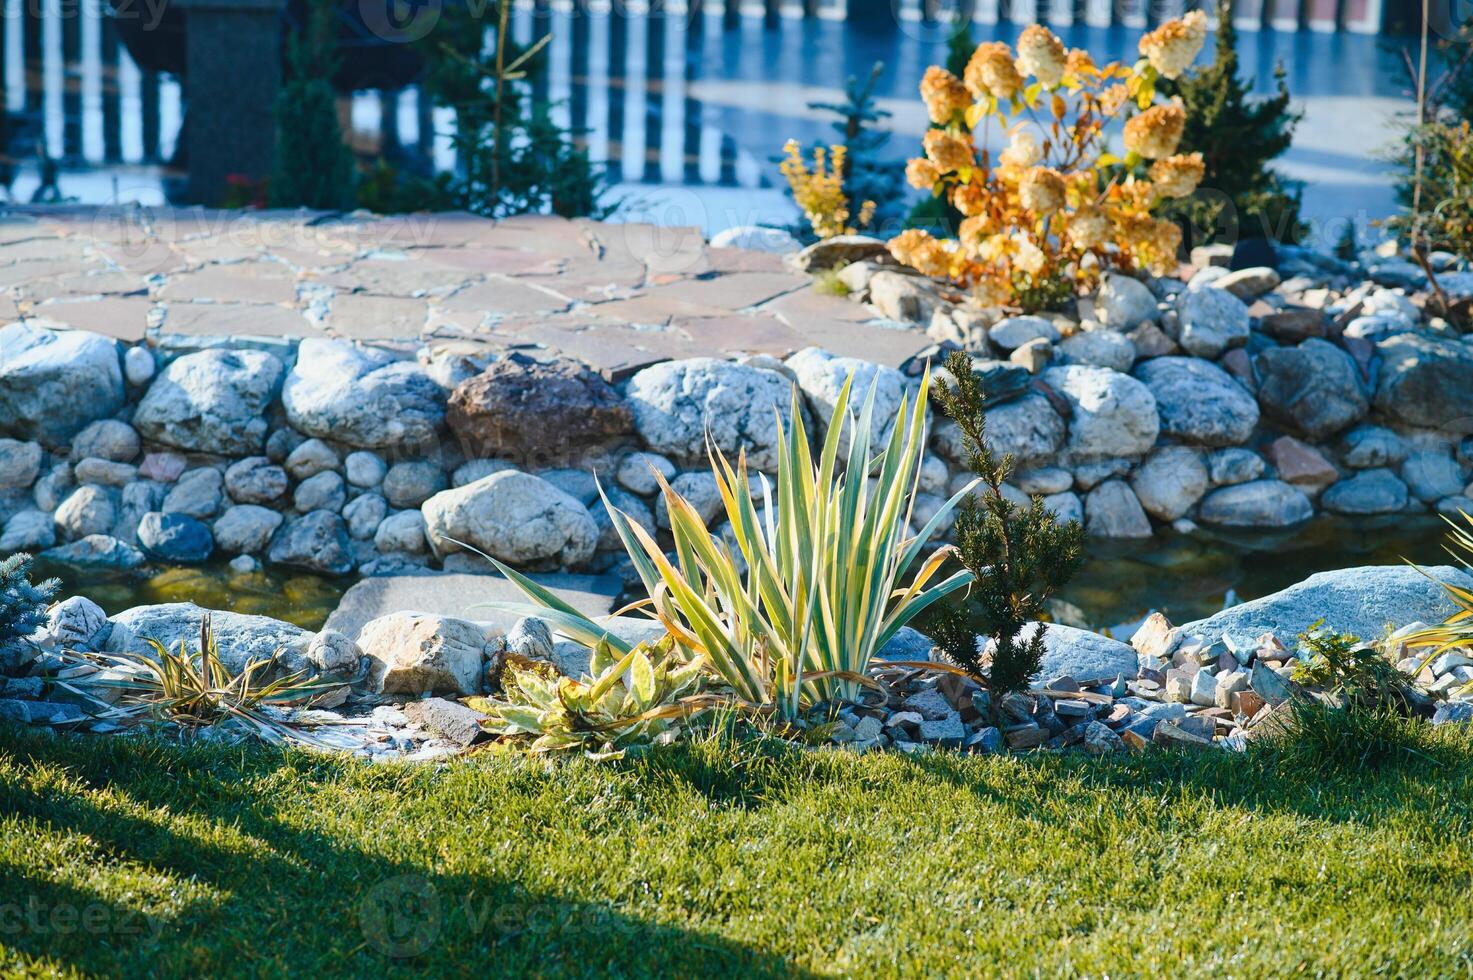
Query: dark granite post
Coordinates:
[233,52]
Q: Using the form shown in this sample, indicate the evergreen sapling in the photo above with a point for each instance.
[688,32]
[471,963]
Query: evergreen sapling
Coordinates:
[1019,556]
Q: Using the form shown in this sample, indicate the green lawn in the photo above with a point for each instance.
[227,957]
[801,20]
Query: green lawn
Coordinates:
[129,857]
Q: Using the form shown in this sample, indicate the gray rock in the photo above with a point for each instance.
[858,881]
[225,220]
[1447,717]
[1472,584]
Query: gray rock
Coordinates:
[78,623]
[1015,331]
[105,472]
[1170,482]
[101,550]
[325,491]
[906,644]
[1453,713]
[1432,476]
[1123,303]
[1368,446]
[1044,480]
[1212,320]
[514,516]
[107,439]
[198,493]
[902,297]
[50,490]
[139,366]
[1112,511]
[136,499]
[838,250]
[1102,348]
[365,469]
[402,532]
[478,469]
[361,397]
[255,480]
[310,457]
[699,490]
[634,507]
[946,732]
[317,541]
[677,403]
[1313,389]
[579,484]
[331,654]
[54,382]
[411,484]
[1065,507]
[1249,284]
[174,537]
[1226,467]
[1426,382]
[821,377]
[637,472]
[20,463]
[212,401]
[1367,492]
[1113,414]
[1027,427]
[417,653]
[363,514]
[88,510]
[1087,657]
[28,530]
[246,529]
[1360,601]
[449,720]
[1258,504]
[242,639]
[1199,402]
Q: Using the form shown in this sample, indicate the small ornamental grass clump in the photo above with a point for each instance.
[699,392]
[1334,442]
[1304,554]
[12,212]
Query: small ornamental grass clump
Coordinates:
[1055,207]
[788,613]
[819,190]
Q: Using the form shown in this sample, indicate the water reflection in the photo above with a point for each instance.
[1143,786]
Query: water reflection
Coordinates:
[669,100]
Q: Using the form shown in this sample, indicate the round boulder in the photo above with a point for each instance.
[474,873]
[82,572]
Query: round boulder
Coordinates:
[1113,414]
[360,397]
[513,516]
[536,411]
[1256,504]
[54,382]
[1426,382]
[1027,427]
[1212,320]
[211,401]
[1199,402]
[1313,389]
[677,403]
[1170,482]
[174,537]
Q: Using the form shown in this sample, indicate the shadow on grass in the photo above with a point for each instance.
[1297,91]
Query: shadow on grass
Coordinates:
[282,898]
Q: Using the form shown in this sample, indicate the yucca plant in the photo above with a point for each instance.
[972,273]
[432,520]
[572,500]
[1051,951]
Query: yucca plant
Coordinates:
[818,582]
[626,701]
[192,689]
[1455,632]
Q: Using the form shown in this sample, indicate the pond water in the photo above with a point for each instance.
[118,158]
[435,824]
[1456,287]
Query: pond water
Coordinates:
[687,111]
[1185,576]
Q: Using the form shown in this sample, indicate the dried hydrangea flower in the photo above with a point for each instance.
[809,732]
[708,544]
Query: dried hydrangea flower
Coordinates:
[1172,47]
[1089,227]
[1041,54]
[921,173]
[1113,99]
[970,199]
[944,94]
[1029,257]
[1178,176]
[919,250]
[1042,190]
[947,152]
[1155,133]
[1079,63]
[1023,150]
[991,71]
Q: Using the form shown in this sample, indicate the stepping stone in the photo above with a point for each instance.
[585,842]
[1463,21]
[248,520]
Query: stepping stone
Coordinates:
[455,593]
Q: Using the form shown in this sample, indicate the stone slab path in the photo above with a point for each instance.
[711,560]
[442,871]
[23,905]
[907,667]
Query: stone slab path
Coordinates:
[616,296]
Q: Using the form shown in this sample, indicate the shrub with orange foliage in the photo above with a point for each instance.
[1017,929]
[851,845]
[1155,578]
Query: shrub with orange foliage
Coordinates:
[1055,208]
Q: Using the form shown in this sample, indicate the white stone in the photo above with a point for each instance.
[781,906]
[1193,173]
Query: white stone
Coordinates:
[1015,331]
[364,469]
[106,439]
[89,509]
[54,382]
[1169,482]
[361,397]
[402,532]
[513,516]
[1123,303]
[211,401]
[677,403]
[1113,413]
[1112,511]
[822,375]
[139,366]
[245,529]
[417,653]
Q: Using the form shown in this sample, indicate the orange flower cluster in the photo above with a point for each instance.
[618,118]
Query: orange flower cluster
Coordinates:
[1054,208]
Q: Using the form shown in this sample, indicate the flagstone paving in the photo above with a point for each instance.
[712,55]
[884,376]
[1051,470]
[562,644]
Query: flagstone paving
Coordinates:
[618,297]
